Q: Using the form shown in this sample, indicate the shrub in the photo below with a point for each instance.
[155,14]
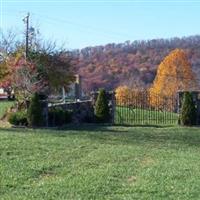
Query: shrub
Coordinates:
[58,116]
[18,118]
[188,110]
[35,117]
[101,107]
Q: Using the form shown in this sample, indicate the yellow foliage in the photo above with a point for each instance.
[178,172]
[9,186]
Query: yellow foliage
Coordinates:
[126,96]
[122,95]
[173,74]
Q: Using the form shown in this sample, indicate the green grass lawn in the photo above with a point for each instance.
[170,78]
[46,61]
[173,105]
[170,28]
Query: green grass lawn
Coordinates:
[4,105]
[100,163]
[126,115]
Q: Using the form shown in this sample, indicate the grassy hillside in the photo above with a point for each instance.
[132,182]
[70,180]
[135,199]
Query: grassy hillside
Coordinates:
[100,163]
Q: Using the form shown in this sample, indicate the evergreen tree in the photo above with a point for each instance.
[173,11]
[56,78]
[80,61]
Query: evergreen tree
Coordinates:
[188,110]
[35,111]
[101,107]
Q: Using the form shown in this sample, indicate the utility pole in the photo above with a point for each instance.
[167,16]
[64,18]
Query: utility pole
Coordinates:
[26,21]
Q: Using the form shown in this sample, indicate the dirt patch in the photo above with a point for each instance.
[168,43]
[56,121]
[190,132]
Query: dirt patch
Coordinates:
[147,161]
[131,179]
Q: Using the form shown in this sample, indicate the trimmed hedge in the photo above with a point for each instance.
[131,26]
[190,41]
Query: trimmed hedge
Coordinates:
[101,107]
[35,117]
[58,116]
[188,110]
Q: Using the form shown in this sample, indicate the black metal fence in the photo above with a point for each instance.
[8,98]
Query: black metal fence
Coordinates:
[142,107]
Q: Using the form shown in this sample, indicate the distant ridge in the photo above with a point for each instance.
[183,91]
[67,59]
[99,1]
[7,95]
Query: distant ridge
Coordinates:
[113,64]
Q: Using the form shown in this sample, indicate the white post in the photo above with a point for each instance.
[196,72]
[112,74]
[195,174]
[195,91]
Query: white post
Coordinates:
[63,94]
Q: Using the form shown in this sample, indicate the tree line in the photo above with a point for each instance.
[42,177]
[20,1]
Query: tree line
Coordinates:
[130,63]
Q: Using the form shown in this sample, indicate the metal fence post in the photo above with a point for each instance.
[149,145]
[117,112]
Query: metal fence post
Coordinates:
[113,108]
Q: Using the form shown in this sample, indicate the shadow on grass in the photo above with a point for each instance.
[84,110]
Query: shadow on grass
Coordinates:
[121,134]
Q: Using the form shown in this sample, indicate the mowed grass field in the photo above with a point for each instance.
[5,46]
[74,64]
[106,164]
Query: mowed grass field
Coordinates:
[100,162]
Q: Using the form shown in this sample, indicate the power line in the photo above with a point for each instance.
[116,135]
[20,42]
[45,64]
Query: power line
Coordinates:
[86,27]
[100,31]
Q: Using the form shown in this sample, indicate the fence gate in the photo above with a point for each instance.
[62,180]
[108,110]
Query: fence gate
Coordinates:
[144,108]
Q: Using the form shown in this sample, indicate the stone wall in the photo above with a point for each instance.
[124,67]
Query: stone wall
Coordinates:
[83,111]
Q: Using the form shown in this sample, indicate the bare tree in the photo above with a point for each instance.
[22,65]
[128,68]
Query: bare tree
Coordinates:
[8,42]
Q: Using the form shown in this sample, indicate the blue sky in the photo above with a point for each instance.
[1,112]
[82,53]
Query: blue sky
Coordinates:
[88,23]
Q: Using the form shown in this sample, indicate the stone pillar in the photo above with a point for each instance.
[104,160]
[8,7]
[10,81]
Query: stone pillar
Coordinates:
[78,89]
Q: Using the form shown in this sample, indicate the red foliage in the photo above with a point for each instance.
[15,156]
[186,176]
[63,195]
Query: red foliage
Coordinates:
[110,65]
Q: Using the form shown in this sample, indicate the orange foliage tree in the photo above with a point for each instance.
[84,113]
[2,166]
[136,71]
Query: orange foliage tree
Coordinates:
[122,95]
[19,75]
[173,74]
[126,96]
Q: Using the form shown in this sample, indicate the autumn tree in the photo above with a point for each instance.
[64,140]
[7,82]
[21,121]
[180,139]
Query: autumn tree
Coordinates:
[54,68]
[20,76]
[42,72]
[134,97]
[122,94]
[173,74]
[46,69]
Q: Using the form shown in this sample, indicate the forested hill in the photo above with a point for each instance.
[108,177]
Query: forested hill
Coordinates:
[130,62]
